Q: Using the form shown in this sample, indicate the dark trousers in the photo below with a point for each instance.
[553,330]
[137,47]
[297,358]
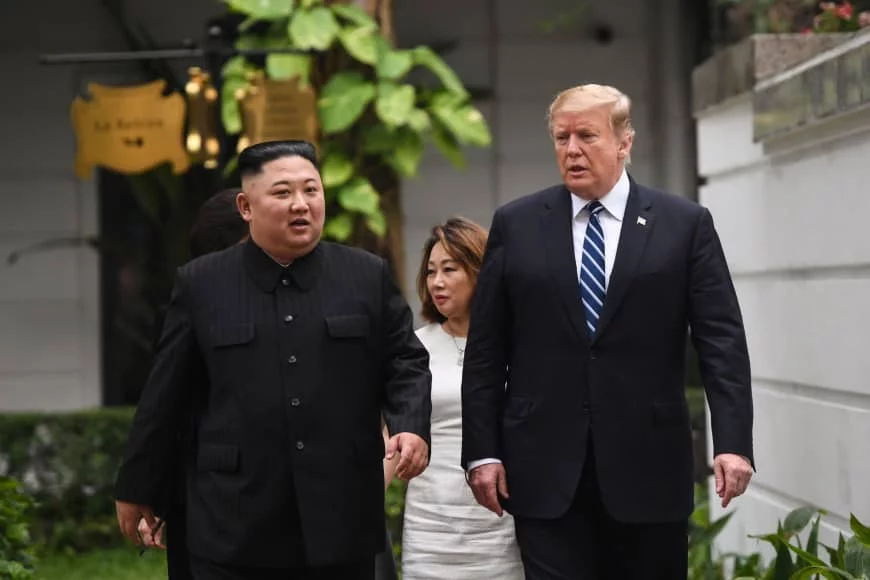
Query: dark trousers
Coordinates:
[205,570]
[177,556]
[586,543]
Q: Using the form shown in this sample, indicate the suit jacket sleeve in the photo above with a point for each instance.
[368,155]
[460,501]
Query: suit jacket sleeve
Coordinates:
[486,356]
[720,341]
[150,444]
[408,389]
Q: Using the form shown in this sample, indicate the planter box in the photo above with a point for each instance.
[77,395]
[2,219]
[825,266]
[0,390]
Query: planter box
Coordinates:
[737,69]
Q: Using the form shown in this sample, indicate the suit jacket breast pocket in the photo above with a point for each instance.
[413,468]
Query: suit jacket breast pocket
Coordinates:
[226,335]
[348,326]
[348,342]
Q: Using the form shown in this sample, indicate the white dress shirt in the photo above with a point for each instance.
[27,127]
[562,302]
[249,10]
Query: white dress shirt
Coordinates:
[614,203]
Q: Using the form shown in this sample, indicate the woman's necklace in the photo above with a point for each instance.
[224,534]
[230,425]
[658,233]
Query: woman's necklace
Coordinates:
[460,349]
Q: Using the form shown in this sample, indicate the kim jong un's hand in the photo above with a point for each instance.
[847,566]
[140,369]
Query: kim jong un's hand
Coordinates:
[413,454]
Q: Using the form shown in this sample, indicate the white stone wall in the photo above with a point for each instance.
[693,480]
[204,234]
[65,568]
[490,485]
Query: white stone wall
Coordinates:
[792,217]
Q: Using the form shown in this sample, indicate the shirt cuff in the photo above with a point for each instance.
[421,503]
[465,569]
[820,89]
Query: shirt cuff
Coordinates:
[472,465]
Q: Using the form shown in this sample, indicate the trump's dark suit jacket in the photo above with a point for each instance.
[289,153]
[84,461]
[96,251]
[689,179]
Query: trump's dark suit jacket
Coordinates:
[291,369]
[622,386]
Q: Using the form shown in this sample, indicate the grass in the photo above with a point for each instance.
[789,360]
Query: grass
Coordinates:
[116,564]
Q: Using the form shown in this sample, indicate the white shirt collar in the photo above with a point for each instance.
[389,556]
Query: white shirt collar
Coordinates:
[614,201]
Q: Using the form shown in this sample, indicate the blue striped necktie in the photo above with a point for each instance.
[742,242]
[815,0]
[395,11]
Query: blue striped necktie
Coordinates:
[592,279]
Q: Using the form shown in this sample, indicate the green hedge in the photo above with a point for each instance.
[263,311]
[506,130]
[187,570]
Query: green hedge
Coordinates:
[68,463]
[16,556]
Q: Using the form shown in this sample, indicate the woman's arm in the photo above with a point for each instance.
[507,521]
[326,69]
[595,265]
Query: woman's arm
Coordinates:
[389,464]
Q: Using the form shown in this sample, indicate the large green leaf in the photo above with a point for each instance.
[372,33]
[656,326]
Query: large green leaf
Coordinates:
[288,66]
[358,195]
[447,144]
[342,100]
[262,9]
[361,42]
[854,558]
[798,519]
[237,66]
[426,57]
[339,227]
[354,14]
[394,64]
[394,103]
[406,153]
[861,531]
[462,119]
[231,115]
[313,29]
[377,223]
[378,139]
[336,169]
[418,119]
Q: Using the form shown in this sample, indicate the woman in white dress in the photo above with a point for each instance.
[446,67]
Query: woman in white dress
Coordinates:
[447,535]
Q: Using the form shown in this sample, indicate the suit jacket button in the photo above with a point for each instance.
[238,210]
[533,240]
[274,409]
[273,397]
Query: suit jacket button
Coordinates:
[300,445]
[294,402]
[288,318]
[593,355]
[285,282]
[292,360]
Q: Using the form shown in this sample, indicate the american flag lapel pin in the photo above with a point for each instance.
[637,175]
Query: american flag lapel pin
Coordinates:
[641,220]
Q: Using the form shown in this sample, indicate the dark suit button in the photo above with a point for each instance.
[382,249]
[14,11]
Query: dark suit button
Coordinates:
[586,406]
[294,402]
[300,445]
[288,318]
[593,355]
[292,360]
[285,282]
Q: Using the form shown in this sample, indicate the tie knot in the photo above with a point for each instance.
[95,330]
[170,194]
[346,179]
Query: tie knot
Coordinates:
[595,208]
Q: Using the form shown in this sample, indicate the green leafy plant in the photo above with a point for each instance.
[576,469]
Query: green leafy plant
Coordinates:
[848,560]
[793,559]
[16,556]
[839,17]
[374,119]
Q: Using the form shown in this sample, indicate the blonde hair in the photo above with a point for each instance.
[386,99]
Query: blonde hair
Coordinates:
[585,97]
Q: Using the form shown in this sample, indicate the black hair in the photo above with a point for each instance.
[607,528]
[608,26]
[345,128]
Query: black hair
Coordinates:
[252,159]
[218,224]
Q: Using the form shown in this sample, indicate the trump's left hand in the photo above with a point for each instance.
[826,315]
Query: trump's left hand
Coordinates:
[733,473]
[413,454]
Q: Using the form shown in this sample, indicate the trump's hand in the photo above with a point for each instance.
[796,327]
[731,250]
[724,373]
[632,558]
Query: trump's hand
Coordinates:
[413,454]
[129,515]
[487,483]
[151,538]
[733,473]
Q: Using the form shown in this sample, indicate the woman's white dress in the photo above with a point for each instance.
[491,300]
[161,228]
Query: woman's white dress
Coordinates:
[447,535]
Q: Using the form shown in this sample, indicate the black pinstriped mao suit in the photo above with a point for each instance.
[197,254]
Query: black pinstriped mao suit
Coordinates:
[286,463]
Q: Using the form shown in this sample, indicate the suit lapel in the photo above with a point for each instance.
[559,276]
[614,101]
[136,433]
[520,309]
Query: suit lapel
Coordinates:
[637,225]
[558,238]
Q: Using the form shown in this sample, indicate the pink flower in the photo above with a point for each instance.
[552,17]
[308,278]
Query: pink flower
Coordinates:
[845,11]
[864,19]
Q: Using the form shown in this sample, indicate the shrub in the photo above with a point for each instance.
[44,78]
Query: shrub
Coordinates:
[16,557]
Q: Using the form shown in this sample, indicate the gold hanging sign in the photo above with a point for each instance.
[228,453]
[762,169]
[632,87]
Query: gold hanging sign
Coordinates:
[276,110]
[129,129]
